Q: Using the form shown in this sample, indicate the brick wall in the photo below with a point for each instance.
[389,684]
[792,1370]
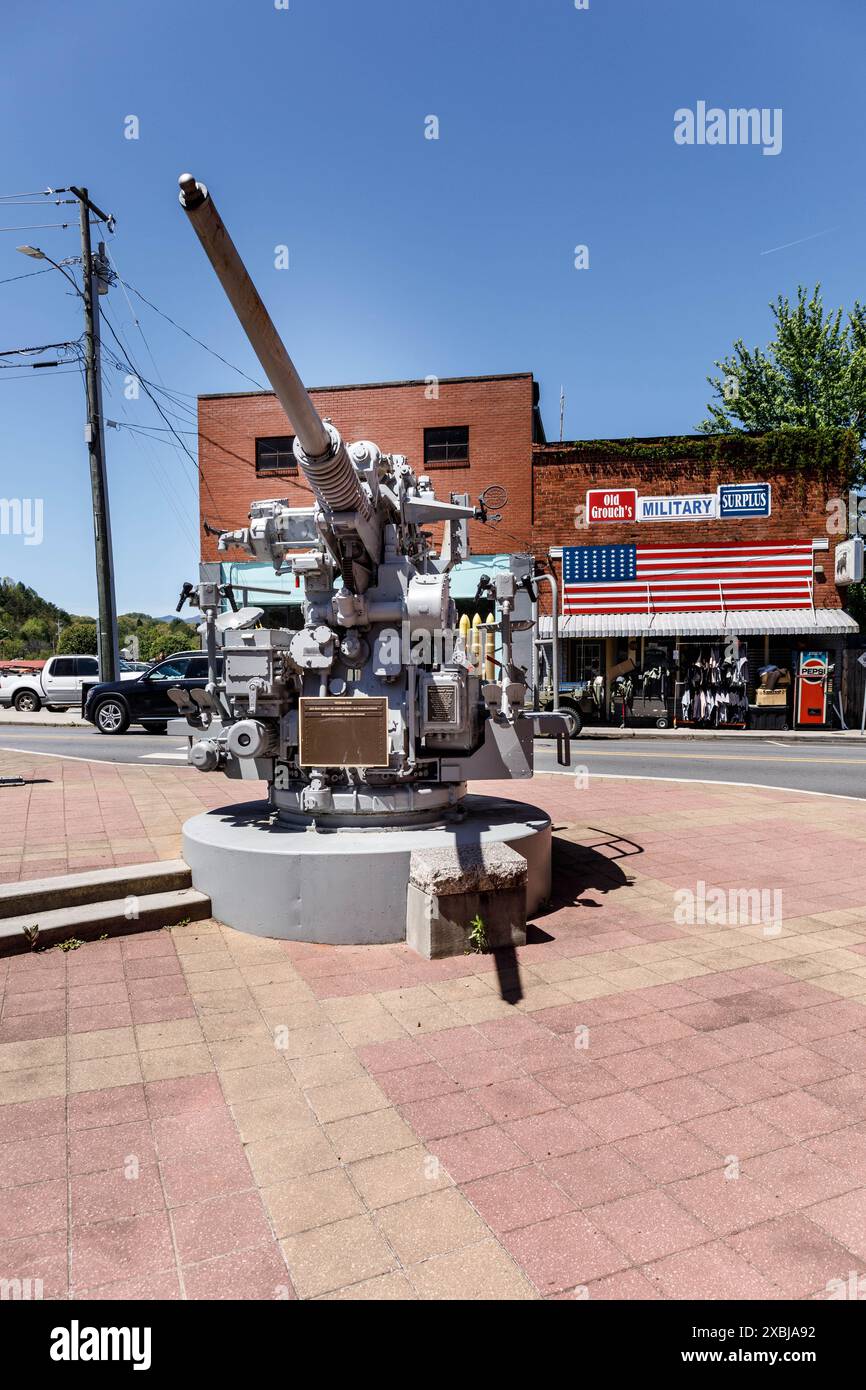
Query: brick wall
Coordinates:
[498,411]
[562,476]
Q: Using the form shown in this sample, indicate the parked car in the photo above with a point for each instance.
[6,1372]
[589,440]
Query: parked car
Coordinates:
[143,699]
[57,686]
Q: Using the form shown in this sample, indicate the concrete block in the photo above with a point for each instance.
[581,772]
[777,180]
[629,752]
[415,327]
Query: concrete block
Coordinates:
[450,888]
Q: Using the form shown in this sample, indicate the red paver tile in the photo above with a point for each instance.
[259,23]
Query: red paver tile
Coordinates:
[482,1069]
[36,1159]
[98,1017]
[801,1115]
[512,1100]
[28,1027]
[712,1271]
[443,1115]
[416,1083]
[148,1288]
[581,1080]
[794,1253]
[739,1132]
[563,1252]
[452,1041]
[111,1195]
[640,1068]
[648,1225]
[478,1153]
[844,1218]
[93,1150]
[29,1118]
[799,1177]
[30,1210]
[750,1039]
[551,1133]
[163,1009]
[726,1204]
[198,1177]
[106,1251]
[518,1197]
[685,1098]
[842,1148]
[846,1093]
[153,968]
[95,995]
[391,1056]
[180,1095]
[596,1175]
[745,1080]
[194,1131]
[615,1117]
[657,1028]
[114,1105]
[628,1286]
[207,1229]
[42,1001]
[255,1274]
[40,1262]
[668,1154]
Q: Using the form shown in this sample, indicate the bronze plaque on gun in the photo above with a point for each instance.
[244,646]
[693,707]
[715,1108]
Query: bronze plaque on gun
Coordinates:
[343,731]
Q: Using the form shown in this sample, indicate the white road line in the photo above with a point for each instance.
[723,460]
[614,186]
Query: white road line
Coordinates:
[699,781]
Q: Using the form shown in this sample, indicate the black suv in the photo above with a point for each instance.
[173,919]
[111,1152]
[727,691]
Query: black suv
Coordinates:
[113,705]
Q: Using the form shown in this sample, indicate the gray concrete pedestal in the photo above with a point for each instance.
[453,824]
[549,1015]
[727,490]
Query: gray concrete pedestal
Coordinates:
[342,886]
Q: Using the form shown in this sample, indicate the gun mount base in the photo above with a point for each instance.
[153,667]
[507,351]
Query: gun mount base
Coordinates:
[342,886]
[365,805]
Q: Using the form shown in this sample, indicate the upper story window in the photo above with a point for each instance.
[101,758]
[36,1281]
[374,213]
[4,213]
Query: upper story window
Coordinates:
[274,454]
[448,446]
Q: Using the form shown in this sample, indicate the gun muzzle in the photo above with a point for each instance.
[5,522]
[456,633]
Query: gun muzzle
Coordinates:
[254,318]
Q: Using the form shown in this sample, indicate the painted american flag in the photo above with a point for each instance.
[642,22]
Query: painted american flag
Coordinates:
[685,578]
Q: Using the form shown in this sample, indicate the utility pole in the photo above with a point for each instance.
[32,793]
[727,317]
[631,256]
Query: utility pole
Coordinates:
[95,436]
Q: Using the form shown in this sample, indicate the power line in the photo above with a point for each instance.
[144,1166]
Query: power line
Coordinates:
[194,339]
[28,275]
[35,226]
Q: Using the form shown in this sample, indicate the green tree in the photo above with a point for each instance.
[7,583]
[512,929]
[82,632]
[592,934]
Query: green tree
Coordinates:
[78,639]
[166,638]
[812,373]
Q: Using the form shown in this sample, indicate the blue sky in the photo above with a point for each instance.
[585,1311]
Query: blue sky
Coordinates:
[408,256]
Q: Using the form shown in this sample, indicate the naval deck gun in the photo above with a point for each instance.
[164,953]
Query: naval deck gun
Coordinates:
[375,713]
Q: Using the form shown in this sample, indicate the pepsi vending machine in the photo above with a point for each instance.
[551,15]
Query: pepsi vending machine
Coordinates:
[813,673]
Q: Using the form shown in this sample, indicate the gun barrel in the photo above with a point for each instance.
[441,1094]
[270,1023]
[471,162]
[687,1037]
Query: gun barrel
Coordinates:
[254,317]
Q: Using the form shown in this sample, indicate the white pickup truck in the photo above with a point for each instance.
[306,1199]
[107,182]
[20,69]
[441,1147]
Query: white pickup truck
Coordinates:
[57,686]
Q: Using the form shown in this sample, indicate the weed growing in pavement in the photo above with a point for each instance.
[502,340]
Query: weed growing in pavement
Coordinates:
[31,935]
[477,936]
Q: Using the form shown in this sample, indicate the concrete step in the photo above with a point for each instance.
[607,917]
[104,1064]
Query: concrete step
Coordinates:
[92,886]
[112,917]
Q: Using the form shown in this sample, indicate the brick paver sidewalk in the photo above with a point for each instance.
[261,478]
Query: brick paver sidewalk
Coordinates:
[637,1105]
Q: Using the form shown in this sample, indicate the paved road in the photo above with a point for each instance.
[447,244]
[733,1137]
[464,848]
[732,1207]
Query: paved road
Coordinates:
[807,767]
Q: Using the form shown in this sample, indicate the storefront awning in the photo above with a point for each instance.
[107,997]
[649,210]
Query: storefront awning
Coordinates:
[754,622]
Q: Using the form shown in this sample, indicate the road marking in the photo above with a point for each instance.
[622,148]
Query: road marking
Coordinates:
[701,782]
[71,757]
[179,757]
[720,757]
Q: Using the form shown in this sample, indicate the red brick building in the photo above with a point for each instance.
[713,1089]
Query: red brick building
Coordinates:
[470,432]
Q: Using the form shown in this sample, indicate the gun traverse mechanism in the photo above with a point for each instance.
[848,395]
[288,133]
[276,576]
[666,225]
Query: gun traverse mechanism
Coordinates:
[375,711]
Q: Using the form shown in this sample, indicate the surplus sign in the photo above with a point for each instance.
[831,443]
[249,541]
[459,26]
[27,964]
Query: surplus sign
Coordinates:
[729,502]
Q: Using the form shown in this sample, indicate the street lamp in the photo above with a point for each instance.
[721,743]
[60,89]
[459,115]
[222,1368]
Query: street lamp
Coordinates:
[95,280]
